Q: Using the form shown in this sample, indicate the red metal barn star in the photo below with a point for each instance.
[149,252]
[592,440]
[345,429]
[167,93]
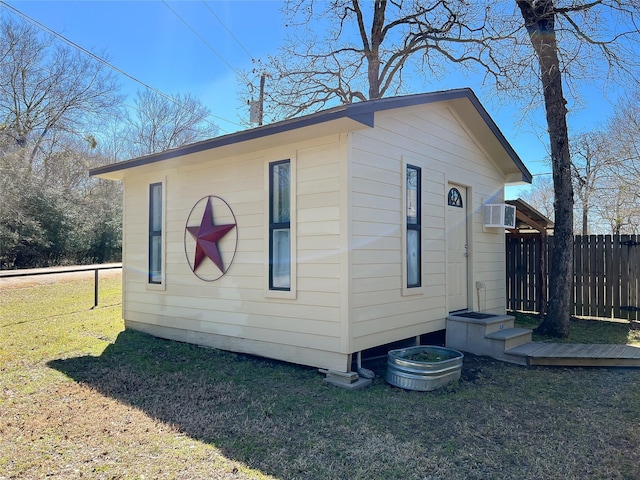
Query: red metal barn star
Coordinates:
[207,235]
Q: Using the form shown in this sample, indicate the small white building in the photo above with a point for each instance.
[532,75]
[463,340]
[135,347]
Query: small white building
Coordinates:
[312,239]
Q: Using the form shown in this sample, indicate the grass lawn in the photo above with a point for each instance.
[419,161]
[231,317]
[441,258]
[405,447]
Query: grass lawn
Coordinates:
[586,330]
[81,398]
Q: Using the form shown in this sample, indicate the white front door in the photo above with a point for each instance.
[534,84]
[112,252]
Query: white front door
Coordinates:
[457,248]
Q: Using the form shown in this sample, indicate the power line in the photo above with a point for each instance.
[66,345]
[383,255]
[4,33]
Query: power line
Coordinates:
[202,39]
[101,60]
[215,52]
[227,29]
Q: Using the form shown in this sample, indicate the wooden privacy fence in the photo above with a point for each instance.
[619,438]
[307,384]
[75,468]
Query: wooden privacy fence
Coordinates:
[606,281]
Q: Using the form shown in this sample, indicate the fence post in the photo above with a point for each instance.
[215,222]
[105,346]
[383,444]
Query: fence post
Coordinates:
[95,289]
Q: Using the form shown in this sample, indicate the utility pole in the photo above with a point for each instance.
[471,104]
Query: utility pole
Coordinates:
[261,98]
[256,109]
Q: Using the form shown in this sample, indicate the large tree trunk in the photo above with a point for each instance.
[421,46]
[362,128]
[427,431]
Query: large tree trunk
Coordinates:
[372,44]
[539,18]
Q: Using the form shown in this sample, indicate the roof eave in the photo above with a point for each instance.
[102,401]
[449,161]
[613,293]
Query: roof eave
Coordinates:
[518,173]
[344,118]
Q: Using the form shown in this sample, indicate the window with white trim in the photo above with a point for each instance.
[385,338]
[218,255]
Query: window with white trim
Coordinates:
[280,225]
[155,233]
[413,190]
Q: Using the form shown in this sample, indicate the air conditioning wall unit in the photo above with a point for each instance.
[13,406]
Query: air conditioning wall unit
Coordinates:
[500,215]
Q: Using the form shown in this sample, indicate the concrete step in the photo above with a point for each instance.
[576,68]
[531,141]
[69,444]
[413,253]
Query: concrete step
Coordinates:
[511,337]
[485,334]
[467,331]
[481,322]
[504,342]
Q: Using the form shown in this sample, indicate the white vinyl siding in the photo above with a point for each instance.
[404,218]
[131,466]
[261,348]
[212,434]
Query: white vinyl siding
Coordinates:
[305,324]
[433,139]
[347,240]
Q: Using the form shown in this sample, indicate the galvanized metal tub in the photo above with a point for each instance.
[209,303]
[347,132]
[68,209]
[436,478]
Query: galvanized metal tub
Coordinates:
[440,367]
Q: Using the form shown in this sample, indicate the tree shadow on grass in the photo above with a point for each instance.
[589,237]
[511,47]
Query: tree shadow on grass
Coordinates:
[599,331]
[582,330]
[284,421]
[263,413]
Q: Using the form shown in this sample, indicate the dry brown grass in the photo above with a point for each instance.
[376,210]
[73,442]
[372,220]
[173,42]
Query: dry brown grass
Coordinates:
[80,398]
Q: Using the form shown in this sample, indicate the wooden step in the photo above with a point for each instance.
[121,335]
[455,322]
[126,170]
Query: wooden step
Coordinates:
[577,355]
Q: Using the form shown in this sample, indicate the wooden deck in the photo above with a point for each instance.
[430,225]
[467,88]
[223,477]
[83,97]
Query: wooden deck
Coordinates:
[578,355]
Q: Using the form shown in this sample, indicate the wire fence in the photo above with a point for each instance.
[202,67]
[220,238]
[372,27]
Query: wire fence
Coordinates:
[32,272]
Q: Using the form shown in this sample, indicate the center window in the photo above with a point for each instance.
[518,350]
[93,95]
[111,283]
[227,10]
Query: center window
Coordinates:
[280,225]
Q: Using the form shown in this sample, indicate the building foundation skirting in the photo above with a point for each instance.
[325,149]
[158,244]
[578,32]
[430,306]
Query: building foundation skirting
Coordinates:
[339,362]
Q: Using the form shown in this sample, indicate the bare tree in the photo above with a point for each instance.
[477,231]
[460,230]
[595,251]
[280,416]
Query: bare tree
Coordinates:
[591,164]
[537,49]
[617,206]
[46,88]
[50,98]
[112,139]
[604,164]
[623,130]
[365,50]
[160,123]
[572,41]
[540,195]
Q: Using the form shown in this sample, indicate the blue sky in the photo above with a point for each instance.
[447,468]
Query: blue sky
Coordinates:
[156,44]
[197,48]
